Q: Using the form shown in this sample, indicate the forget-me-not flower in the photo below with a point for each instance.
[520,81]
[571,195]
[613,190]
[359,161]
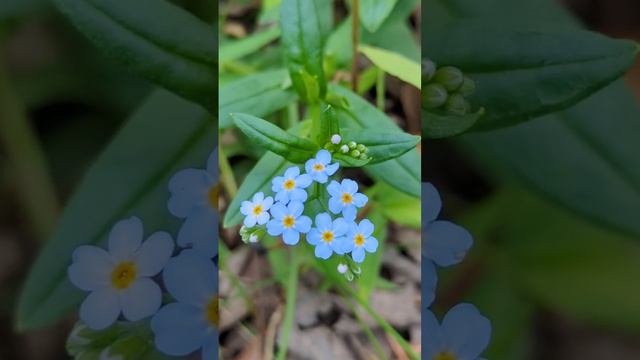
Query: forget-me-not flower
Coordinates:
[256,210]
[463,335]
[320,168]
[119,281]
[191,323]
[194,197]
[288,221]
[359,239]
[328,236]
[429,282]
[443,242]
[345,196]
[290,187]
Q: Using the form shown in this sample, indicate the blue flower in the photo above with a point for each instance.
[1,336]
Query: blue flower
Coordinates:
[443,242]
[190,323]
[290,187]
[429,282]
[256,210]
[463,335]
[359,239]
[319,167]
[328,236]
[345,196]
[194,197]
[289,222]
[120,280]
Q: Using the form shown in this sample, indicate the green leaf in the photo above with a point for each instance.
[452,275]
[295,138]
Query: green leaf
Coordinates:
[155,38]
[260,94]
[129,179]
[382,146]
[240,48]
[394,64]
[374,12]
[585,157]
[272,138]
[437,126]
[542,71]
[398,206]
[329,124]
[258,179]
[347,161]
[403,173]
[303,43]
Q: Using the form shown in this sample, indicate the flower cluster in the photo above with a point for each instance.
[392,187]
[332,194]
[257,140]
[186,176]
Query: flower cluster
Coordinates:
[351,148]
[464,333]
[335,231]
[445,88]
[120,280]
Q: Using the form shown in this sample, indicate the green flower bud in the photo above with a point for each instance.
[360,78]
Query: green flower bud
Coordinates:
[361,147]
[450,77]
[352,144]
[344,149]
[363,157]
[468,87]
[433,96]
[457,104]
[355,153]
[428,70]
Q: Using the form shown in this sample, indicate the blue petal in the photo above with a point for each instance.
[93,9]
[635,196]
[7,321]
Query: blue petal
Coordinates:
[323,221]
[340,227]
[323,251]
[308,166]
[320,177]
[349,213]
[313,237]
[371,244]
[323,157]
[246,208]
[360,200]
[91,268]
[290,237]
[212,164]
[250,221]
[292,172]
[263,218]
[431,203]
[433,339]
[429,282]
[278,211]
[258,197]
[298,195]
[200,230]
[303,224]
[282,197]
[189,188]
[358,254]
[334,189]
[179,329]
[366,227]
[275,227]
[446,243]
[335,205]
[276,183]
[155,252]
[191,279]
[142,299]
[295,208]
[210,348]
[303,181]
[125,238]
[345,245]
[267,202]
[467,331]
[100,309]
[349,186]
[332,168]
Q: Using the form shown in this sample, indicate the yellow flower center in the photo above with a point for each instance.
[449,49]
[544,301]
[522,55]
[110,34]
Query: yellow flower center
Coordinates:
[288,221]
[211,312]
[257,210]
[327,236]
[445,355]
[318,167]
[214,193]
[347,198]
[289,184]
[359,239]
[123,275]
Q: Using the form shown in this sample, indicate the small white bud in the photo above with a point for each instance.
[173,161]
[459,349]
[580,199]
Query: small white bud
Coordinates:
[253,238]
[342,268]
[335,139]
[344,149]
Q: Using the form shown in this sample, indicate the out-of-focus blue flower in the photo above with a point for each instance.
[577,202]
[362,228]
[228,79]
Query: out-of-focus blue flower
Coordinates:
[429,282]
[120,280]
[328,236]
[289,222]
[190,323]
[290,187]
[463,335]
[345,196]
[359,239]
[319,167]
[256,210]
[443,242]
[194,197]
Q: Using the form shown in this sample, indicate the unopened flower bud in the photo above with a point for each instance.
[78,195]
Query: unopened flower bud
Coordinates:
[428,69]
[363,157]
[433,96]
[344,149]
[361,147]
[352,144]
[457,104]
[450,77]
[335,139]
[342,268]
[253,238]
[355,153]
[468,87]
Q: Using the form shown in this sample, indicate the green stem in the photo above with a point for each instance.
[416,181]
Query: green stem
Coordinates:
[35,186]
[292,115]
[226,174]
[370,335]
[380,89]
[287,323]
[355,33]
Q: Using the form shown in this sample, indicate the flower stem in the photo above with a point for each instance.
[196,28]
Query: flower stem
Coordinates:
[287,323]
[355,33]
[380,89]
